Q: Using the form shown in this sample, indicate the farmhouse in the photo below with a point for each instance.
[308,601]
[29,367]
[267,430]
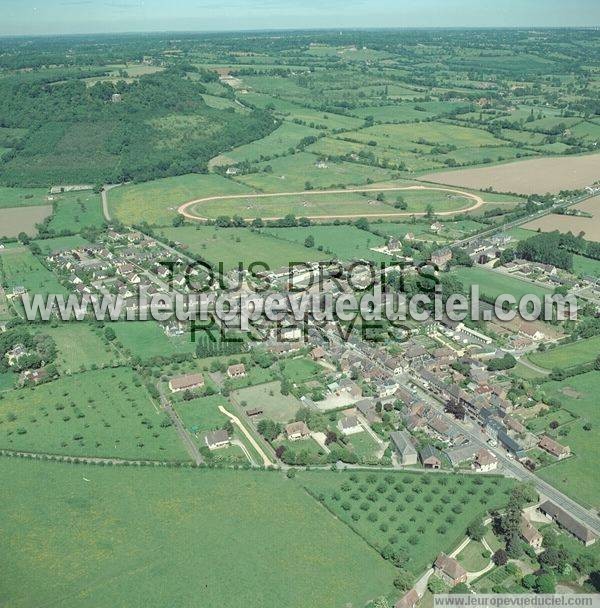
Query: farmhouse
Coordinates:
[187,382]
[349,425]
[531,534]
[554,448]
[15,353]
[571,525]
[216,439]
[404,448]
[441,257]
[366,407]
[431,457]
[408,600]
[318,353]
[34,376]
[485,461]
[449,570]
[297,430]
[236,371]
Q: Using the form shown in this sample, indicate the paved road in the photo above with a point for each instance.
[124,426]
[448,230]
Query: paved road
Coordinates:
[540,370]
[522,220]
[104,196]
[249,437]
[185,437]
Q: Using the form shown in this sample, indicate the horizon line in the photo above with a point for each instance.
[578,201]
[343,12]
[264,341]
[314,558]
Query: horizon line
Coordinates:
[306,29]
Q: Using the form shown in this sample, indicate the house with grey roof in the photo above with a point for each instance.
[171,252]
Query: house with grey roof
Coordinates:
[403,447]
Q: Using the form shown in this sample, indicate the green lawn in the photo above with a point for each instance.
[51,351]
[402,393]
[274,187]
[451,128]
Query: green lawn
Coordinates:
[75,211]
[22,268]
[78,345]
[290,174]
[586,266]
[345,242]
[232,246]
[156,202]
[146,339]
[568,355]
[48,246]
[287,135]
[576,476]
[493,284]
[105,413]
[401,509]
[22,197]
[318,204]
[301,369]
[111,536]
[471,557]
[278,407]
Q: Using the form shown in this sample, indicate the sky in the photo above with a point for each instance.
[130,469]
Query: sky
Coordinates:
[33,17]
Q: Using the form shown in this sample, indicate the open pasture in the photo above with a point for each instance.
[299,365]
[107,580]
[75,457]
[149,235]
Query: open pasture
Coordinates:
[576,476]
[287,135]
[568,355]
[75,211]
[156,202]
[295,171]
[231,246]
[23,197]
[146,339]
[79,347]
[22,269]
[199,527]
[268,396]
[494,284]
[344,242]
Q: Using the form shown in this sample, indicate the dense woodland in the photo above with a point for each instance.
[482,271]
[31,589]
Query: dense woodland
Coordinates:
[77,134]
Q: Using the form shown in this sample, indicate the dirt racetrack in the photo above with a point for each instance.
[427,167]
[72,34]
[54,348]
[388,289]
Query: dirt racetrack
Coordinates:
[478,202]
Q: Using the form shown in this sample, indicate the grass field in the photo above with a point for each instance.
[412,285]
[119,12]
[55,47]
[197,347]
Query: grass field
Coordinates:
[300,369]
[79,540]
[22,197]
[276,406]
[290,173]
[146,339]
[78,346]
[156,201]
[15,220]
[232,246]
[493,284]
[576,476]
[315,204]
[345,242]
[586,266]
[419,514]
[75,211]
[48,246]
[287,135]
[22,268]
[568,355]
[98,413]
[471,557]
